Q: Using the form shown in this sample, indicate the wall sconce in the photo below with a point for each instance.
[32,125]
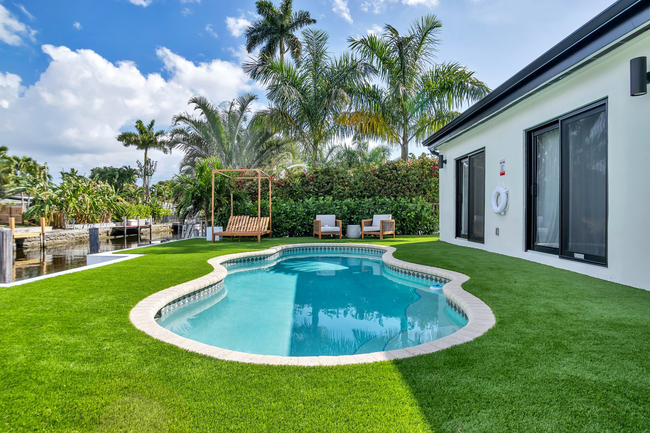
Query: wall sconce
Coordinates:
[441,158]
[639,76]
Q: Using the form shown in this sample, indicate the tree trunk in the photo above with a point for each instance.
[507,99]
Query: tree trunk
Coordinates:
[282,50]
[145,190]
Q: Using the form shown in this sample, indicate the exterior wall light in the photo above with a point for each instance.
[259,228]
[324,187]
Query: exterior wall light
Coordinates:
[441,158]
[639,76]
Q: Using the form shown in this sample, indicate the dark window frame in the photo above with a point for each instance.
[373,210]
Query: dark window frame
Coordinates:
[531,209]
[459,197]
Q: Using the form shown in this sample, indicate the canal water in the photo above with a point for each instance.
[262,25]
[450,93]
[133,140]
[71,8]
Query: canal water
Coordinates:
[33,262]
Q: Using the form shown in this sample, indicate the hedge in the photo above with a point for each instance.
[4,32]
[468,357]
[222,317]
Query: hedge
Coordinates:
[417,178]
[295,217]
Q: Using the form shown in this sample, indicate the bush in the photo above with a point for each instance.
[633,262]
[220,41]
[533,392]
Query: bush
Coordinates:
[296,217]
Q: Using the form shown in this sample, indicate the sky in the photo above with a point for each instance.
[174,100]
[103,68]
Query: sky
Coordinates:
[76,73]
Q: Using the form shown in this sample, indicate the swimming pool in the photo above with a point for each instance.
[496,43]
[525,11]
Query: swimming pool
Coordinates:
[311,303]
[286,306]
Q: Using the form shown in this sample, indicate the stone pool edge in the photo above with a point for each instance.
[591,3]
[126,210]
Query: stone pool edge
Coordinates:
[479,315]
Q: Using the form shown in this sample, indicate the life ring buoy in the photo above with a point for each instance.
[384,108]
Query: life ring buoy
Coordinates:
[499,200]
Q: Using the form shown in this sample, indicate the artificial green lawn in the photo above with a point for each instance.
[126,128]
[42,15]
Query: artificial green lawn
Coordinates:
[568,353]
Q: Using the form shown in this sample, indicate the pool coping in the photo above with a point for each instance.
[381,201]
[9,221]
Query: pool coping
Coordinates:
[479,315]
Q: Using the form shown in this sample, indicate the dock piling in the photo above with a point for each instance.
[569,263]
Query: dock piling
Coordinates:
[93,238]
[6,255]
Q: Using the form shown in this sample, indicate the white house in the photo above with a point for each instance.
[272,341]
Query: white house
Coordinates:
[571,145]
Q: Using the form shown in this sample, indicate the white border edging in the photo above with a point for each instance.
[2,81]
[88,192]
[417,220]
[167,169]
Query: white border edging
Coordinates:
[480,317]
[118,258]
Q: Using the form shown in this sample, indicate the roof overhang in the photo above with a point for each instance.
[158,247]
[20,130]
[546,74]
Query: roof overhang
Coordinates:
[618,24]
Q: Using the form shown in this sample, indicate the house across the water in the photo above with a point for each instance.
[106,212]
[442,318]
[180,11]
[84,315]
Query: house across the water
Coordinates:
[553,166]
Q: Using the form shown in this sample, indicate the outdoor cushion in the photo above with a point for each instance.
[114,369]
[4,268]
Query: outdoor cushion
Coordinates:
[371,228]
[376,219]
[326,220]
[329,229]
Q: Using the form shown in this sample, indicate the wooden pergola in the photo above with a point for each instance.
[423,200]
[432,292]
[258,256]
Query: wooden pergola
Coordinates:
[248,174]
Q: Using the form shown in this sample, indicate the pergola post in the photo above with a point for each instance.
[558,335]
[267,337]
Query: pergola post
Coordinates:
[212,207]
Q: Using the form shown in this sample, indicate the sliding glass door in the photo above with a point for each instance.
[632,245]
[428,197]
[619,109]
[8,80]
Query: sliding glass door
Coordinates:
[584,186]
[470,197]
[568,186]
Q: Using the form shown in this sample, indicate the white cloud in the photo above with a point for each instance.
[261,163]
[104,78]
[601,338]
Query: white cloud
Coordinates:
[25,11]
[143,3]
[237,26]
[77,25]
[375,30]
[211,31]
[72,114]
[341,8]
[190,1]
[379,6]
[13,31]
[186,11]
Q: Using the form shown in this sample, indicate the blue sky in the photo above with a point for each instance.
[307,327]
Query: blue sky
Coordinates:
[73,73]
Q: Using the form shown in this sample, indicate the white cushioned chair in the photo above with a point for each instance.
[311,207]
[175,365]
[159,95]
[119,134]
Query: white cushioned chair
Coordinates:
[327,225]
[379,225]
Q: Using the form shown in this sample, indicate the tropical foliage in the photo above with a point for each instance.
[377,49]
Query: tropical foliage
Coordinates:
[416,96]
[227,133]
[78,198]
[307,98]
[193,191]
[117,177]
[356,154]
[146,139]
[275,30]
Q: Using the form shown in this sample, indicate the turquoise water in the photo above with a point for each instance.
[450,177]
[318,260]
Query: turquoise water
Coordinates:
[317,305]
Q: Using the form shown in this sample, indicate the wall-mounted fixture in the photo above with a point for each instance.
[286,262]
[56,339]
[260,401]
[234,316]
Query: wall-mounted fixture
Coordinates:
[441,158]
[639,76]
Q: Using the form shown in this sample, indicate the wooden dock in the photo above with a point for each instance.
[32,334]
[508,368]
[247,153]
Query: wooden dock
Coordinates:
[41,234]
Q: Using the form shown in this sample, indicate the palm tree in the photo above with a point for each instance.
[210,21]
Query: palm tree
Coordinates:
[117,177]
[275,30]
[226,132]
[418,96]
[356,154]
[306,98]
[145,139]
[193,190]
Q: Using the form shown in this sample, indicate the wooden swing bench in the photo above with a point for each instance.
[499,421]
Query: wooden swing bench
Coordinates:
[239,226]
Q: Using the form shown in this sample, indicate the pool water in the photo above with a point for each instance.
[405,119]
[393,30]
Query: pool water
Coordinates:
[316,305]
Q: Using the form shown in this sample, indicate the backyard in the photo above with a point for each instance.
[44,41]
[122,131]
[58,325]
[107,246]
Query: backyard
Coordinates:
[568,353]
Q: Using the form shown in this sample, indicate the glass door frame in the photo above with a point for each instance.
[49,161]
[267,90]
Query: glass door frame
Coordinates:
[459,197]
[532,182]
[531,209]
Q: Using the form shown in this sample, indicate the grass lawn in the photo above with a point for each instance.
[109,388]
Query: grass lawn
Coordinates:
[568,353]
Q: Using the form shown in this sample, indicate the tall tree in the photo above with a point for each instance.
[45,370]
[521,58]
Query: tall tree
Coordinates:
[228,132]
[306,98]
[416,96]
[145,139]
[276,29]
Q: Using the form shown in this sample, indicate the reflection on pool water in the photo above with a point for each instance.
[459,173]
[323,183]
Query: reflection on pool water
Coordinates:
[316,305]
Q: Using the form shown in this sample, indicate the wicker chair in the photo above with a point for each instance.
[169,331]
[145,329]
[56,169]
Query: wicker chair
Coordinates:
[379,225]
[327,225]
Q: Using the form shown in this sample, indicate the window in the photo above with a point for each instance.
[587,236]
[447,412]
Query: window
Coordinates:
[470,197]
[567,211]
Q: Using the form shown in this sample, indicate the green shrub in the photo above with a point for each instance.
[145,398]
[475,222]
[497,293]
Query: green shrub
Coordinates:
[295,217]
[395,179]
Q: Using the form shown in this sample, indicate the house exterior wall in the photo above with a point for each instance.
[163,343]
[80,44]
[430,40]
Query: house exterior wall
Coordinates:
[503,137]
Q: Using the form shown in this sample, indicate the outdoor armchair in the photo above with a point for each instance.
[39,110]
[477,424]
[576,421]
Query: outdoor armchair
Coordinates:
[379,225]
[327,225]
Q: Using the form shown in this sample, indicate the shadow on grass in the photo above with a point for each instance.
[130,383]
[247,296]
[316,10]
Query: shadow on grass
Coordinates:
[568,352]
